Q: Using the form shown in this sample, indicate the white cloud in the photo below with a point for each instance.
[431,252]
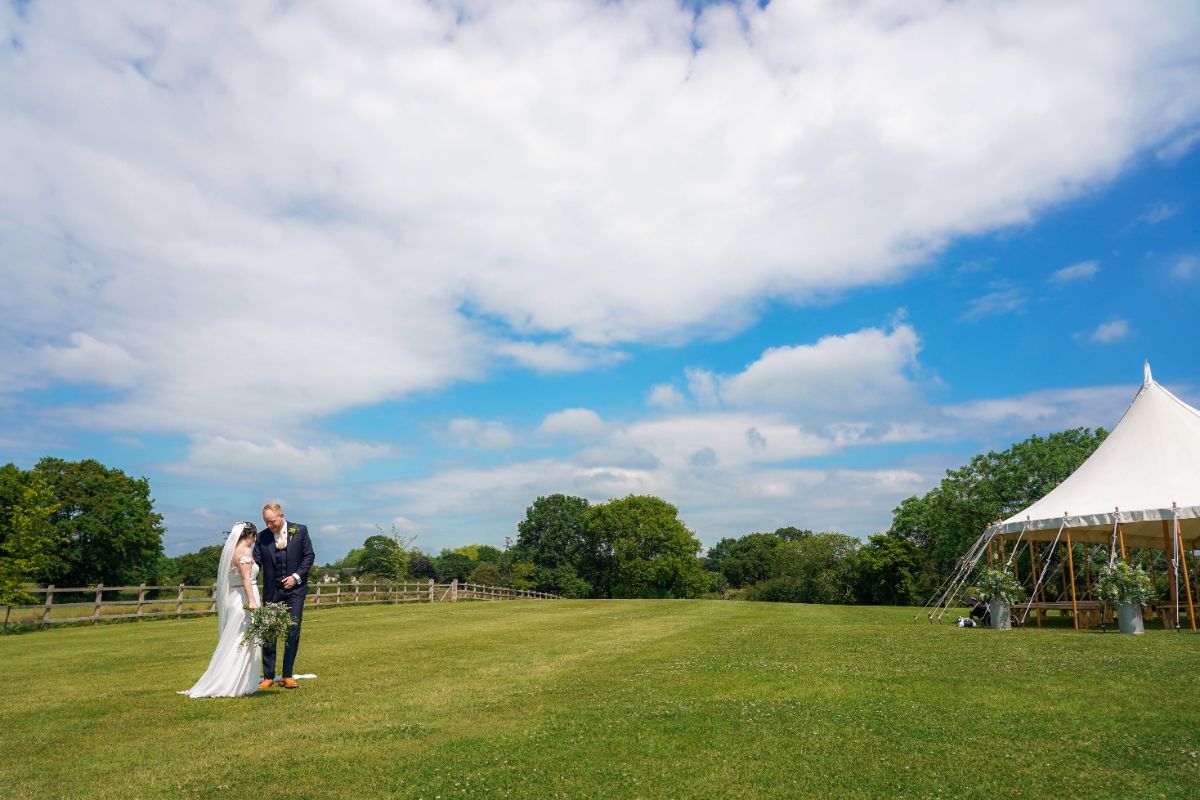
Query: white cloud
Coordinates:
[702,386]
[713,501]
[1047,410]
[557,357]
[664,395]
[865,369]
[484,434]
[1158,212]
[578,422]
[1113,331]
[231,459]
[1177,148]
[449,186]
[1082,271]
[1186,266]
[1004,299]
[88,360]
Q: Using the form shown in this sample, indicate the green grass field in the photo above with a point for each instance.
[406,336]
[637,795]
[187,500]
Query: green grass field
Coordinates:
[653,699]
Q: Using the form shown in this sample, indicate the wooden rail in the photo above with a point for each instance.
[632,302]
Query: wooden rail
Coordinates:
[185,600]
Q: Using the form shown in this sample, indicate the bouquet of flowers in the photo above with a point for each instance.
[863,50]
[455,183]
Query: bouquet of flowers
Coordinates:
[269,623]
[1121,584]
[999,584]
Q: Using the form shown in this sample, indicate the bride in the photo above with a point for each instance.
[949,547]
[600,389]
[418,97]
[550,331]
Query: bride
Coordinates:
[235,669]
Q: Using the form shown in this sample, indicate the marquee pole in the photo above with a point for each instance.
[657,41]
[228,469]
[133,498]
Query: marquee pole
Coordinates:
[1172,571]
[1186,582]
[1034,550]
[1062,573]
[1071,566]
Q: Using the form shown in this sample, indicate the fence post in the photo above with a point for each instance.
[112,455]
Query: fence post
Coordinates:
[46,609]
[431,597]
[337,596]
[179,603]
[356,592]
[99,602]
[317,597]
[141,599]
[454,590]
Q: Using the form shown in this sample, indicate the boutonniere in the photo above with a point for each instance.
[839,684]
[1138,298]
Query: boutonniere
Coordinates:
[291,531]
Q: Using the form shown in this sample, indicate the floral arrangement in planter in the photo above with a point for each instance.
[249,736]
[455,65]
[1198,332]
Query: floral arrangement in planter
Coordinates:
[999,584]
[1121,584]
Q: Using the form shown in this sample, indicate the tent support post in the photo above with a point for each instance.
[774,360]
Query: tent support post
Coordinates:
[1172,576]
[1071,566]
[1087,574]
[1062,572]
[1186,581]
[1195,578]
[1121,538]
[1034,548]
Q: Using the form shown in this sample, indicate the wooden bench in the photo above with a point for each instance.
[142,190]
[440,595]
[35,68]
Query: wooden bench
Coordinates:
[1091,612]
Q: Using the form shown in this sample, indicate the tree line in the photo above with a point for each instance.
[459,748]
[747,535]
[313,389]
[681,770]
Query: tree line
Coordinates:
[81,523]
[633,547]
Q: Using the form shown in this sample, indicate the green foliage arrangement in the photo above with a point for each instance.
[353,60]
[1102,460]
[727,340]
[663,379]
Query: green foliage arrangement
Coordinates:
[999,584]
[269,623]
[1122,584]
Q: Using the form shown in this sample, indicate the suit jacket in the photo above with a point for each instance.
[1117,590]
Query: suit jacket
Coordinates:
[298,560]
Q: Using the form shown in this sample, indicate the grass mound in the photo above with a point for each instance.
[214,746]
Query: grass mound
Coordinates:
[615,699]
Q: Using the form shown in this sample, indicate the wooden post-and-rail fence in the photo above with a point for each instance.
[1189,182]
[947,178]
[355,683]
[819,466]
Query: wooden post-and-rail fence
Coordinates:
[183,600]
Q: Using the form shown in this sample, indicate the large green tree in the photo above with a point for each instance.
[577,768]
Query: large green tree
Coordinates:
[992,486]
[27,535]
[822,568]
[744,561]
[552,534]
[890,571]
[480,552]
[105,528]
[198,568]
[454,566]
[638,547]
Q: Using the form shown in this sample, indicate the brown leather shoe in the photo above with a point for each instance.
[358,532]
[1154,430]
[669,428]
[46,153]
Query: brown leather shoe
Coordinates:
[267,683]
[289,683]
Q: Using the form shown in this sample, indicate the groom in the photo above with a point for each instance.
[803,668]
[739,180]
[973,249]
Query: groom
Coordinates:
[285,554]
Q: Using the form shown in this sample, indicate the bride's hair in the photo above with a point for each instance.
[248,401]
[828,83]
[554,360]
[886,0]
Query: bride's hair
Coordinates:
[248,532]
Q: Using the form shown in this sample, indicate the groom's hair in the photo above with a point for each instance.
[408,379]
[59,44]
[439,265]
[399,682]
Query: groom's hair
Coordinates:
[278,509]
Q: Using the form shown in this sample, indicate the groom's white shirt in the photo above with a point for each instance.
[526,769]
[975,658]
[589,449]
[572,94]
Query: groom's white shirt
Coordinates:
[281,542]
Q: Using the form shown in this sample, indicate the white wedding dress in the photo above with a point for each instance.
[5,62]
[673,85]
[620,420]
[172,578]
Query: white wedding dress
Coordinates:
[235,669]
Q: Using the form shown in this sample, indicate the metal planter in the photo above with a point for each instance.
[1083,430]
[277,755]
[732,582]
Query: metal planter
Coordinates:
[1001,615]
[1129,618]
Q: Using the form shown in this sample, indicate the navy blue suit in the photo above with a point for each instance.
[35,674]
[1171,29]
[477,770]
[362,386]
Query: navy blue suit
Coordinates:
[275,565]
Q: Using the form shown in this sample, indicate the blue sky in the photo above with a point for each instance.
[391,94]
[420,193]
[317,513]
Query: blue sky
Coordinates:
[418,264]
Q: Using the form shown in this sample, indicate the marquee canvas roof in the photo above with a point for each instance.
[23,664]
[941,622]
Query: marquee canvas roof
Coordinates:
[1145,473]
